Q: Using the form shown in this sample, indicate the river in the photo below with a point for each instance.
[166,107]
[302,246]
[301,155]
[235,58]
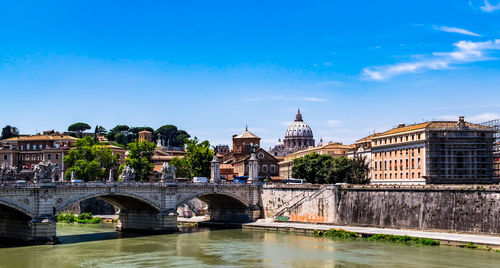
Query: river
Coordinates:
[100,246]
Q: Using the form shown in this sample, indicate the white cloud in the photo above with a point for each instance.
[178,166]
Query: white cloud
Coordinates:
[334,123]
[314,99]
[489,7]
[465,51]
[455,30]
[328,64]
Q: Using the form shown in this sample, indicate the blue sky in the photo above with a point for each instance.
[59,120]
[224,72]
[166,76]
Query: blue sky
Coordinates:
[210,67]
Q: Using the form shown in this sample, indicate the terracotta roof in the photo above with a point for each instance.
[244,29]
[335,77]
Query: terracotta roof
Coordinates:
[368,138]
[246,135]
[41,138]
[406,128]
[430,125]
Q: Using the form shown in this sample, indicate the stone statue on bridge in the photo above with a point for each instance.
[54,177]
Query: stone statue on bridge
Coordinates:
[128,174]
[167,172]
[7,172]
[43,172]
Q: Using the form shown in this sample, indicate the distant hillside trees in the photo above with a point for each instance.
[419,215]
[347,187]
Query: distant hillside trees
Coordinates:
[170,135]
[9,131]
[78,128]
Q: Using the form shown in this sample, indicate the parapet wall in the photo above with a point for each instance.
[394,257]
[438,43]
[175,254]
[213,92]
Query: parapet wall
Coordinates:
[466,208]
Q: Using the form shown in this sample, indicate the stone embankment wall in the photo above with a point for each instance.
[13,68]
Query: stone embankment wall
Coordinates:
[465,208]
[453,207]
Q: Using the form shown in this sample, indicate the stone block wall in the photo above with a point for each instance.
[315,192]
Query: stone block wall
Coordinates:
[455,208]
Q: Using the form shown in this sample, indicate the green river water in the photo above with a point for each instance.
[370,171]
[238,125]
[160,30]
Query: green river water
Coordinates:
[100,246]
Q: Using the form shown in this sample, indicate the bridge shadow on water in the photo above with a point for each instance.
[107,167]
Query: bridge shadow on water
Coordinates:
[206,226]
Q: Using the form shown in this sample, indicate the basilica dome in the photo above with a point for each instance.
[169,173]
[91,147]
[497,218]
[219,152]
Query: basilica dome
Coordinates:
[299,128]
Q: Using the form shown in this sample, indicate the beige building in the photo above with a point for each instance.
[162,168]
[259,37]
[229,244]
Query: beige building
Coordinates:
[26,151]
[332,149]
[362,148]
[433,152]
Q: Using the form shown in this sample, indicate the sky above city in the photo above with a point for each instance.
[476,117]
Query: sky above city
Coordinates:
[212,67]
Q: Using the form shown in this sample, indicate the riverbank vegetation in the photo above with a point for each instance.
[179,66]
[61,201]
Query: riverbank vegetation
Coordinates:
[83,218]
[402,239]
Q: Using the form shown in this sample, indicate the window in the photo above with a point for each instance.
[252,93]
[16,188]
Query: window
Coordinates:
[375,176]
[4,157]
[40,146]
[418,162]
[385,165]
[28,146]
[375,165]
[418,175]
[57,156]
[21,147]
[407,175]
[390,164]
[118,156]
[264,168]
[413,137]
[418,136]
[395,175]
[385,176]
[418,150]
[28,157]
[49,157]
[412,163]
[413,175]
[390,176]
[273,168]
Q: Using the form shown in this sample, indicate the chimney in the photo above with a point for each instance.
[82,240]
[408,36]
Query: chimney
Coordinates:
[401,125]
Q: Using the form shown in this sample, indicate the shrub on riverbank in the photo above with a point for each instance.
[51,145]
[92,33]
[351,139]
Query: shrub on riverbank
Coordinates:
[83,218]
[403,239]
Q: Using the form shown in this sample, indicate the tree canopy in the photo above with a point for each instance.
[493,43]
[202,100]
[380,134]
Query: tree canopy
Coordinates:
[89,160]
[139,158]
[78,128]
[172,136]
[319,168]
[196,162]
[9,131]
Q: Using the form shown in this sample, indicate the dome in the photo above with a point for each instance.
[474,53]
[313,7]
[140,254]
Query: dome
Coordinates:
[299,128]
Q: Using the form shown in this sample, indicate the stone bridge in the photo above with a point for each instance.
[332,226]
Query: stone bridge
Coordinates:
[28,212]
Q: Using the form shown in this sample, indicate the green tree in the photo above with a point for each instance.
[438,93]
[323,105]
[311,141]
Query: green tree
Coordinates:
[9,131]
[89,161]
[314,168]
[99,130]
[78,128]
[318,168]
[172,136]
[182,167]
[139,158]
[196,161]
[118,129]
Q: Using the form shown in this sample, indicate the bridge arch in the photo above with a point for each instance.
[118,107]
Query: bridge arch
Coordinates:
[226,207]
[212,197]
[15,206]
[122,200]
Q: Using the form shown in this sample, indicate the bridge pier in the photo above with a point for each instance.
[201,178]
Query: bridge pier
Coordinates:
[145,221]
[43,230]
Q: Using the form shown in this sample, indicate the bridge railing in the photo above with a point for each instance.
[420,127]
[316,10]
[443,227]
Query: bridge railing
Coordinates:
[115,184]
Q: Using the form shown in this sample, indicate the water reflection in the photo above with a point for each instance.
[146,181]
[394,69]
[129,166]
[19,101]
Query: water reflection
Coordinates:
[99,246]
